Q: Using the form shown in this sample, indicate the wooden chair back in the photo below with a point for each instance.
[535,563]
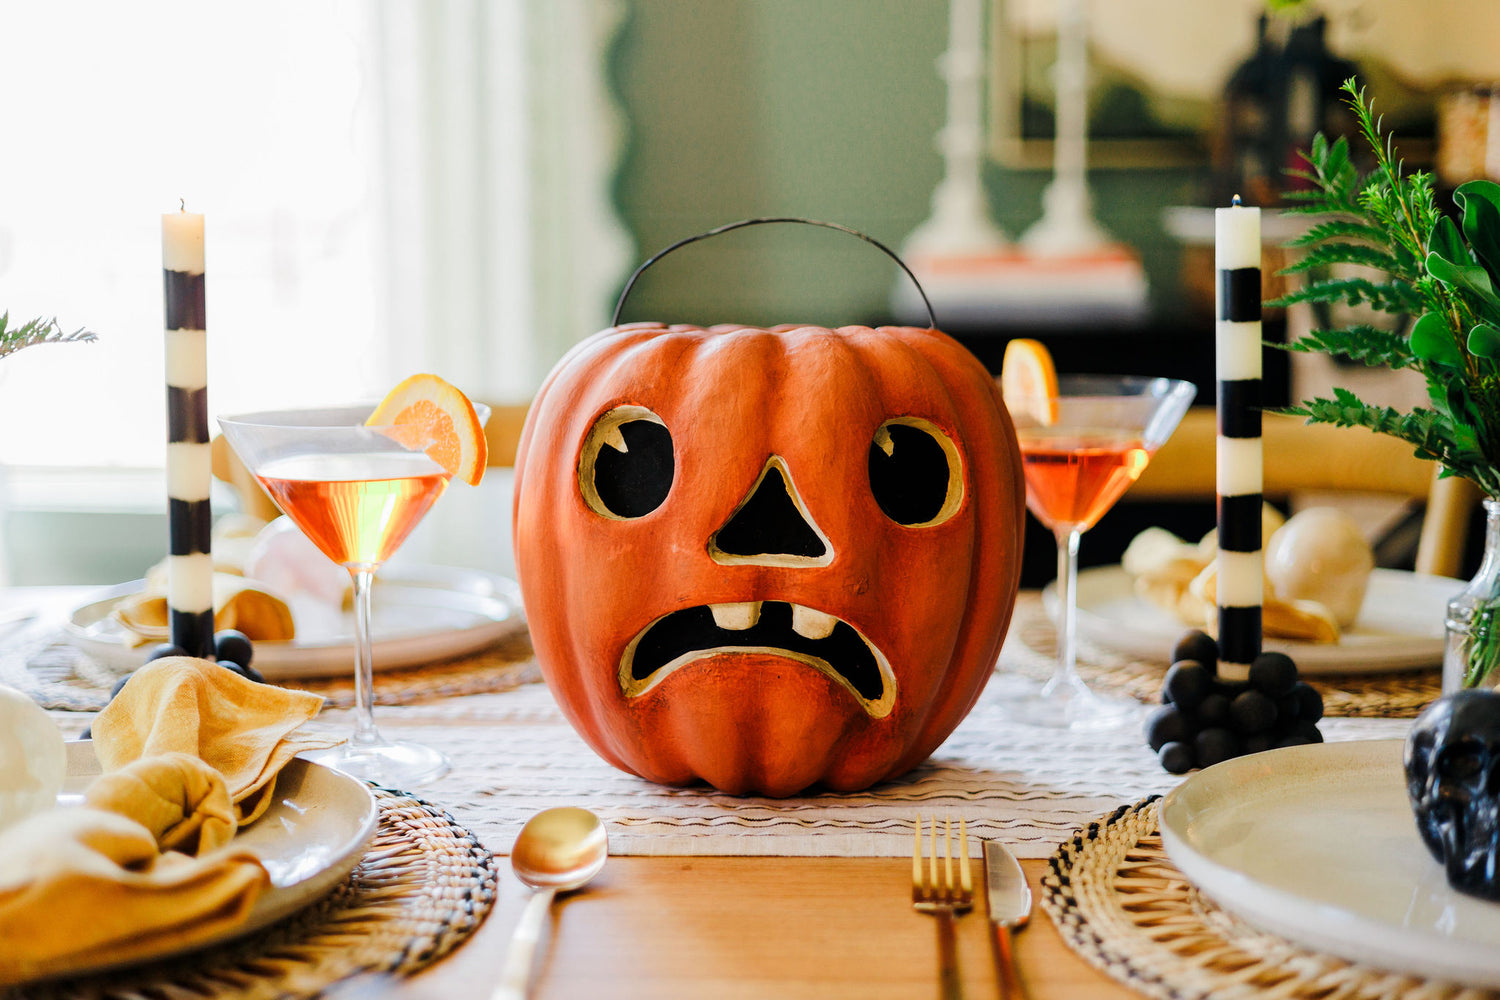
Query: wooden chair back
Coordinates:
[1320,457]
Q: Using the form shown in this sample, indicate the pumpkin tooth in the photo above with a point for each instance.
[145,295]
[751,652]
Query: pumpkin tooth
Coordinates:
[812,624]
[736,617]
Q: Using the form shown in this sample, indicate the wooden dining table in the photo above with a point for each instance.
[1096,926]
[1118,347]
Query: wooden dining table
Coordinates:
[700,927]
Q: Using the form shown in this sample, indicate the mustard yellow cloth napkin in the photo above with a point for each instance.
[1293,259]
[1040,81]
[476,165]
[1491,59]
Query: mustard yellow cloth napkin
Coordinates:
[244,730]
[180,799]
[80,883]
[239,603]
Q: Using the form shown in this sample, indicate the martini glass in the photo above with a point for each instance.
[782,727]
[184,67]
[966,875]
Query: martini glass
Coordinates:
[1080,450]
[357,492]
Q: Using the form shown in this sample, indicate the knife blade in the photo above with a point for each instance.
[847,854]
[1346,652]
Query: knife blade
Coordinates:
[1008,901]
[1007,894]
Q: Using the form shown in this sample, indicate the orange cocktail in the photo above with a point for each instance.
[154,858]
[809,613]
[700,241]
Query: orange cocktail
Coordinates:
[357,480]
[1072,478]
[357,508]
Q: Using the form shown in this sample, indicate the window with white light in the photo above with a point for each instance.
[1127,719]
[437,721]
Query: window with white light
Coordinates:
[262,117]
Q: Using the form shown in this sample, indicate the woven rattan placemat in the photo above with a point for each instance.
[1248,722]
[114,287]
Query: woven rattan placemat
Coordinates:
[58,675]
[1033,644]
[1119,902]
[424,886]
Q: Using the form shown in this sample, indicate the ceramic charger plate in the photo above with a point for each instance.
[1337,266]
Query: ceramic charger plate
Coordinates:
[1318,845]
[1400,625]
[314,833]
[422,614]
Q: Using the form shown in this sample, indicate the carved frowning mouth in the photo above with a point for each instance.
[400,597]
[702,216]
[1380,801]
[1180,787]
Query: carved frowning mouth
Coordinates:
[813,638]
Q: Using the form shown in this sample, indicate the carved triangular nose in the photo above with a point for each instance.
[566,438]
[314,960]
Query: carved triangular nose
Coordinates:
[771,526]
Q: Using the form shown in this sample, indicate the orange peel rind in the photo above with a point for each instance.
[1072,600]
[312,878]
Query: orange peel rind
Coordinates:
[1028,380]
[428,413]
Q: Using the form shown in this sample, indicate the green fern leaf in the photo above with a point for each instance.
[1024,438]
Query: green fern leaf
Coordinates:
[1369,344]
[1390,297]
[1349,229]
[1343,253]
[34,332]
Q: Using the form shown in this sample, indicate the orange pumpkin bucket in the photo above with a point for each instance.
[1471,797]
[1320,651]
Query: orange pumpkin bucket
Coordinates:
[767,558]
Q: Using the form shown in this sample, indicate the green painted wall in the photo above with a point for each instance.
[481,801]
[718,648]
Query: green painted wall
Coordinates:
[822,108]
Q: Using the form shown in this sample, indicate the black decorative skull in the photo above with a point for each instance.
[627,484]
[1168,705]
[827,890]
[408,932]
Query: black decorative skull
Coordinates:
[1453,779]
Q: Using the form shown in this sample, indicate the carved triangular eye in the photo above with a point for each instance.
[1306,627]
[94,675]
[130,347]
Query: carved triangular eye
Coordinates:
[915,473]
[626,468]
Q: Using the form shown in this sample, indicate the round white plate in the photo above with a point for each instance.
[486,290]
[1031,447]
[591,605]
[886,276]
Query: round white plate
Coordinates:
[421,615]
[1318,844]
[314,833]
[1400,625]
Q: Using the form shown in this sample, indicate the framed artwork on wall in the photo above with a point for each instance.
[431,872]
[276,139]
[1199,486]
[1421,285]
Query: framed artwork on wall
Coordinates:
[1159,69]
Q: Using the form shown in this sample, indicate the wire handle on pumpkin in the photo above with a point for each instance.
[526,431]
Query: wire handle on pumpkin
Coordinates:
[741,224]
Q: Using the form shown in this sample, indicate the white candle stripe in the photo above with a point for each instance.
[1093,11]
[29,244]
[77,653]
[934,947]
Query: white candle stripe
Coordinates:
[190,582]
[189,471]
[182,242]
[1240,578]
[187,359]
[1236,240]
[1237,351]
[1238,466]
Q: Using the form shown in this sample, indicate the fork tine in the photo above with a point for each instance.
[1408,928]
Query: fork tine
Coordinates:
[948,857]
[966,883]
[932,856]
[917,885]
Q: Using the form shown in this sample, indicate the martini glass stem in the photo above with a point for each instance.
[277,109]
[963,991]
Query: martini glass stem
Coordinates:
[1066,670]
[365,733]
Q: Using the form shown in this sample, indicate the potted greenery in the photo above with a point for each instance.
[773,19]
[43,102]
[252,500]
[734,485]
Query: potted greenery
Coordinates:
[1445,277]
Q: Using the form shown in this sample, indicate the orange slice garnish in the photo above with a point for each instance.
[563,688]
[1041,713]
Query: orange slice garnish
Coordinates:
[426,412]
[1028,380]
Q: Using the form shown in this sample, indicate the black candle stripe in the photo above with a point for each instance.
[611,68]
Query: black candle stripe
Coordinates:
[1239,295]
[1239,408]
[193,632]
[187,415]
[185,301]
[1239,634]
[1239,523]
[189,526]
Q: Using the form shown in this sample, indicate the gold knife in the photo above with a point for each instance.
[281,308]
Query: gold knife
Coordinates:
[1008,899]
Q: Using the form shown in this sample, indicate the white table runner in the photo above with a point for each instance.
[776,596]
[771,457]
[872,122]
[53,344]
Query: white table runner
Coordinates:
[514,753]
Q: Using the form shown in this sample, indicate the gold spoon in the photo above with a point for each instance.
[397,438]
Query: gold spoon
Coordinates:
[558,850]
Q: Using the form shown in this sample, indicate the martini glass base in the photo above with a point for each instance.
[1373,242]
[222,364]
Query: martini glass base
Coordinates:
[398,766]
[1058,704]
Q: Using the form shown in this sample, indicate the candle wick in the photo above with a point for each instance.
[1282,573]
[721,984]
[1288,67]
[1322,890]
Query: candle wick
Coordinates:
[1235,201]
[182,203]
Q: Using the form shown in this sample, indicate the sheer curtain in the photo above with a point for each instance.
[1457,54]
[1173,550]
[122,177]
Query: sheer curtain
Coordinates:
[499,145]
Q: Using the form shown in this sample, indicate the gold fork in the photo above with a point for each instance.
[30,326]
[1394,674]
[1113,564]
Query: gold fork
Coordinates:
[943,896]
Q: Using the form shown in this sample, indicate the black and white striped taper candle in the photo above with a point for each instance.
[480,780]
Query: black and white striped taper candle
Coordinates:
[1237,343]
[190,568]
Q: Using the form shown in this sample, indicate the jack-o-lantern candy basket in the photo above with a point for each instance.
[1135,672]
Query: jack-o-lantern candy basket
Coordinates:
[768,558]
